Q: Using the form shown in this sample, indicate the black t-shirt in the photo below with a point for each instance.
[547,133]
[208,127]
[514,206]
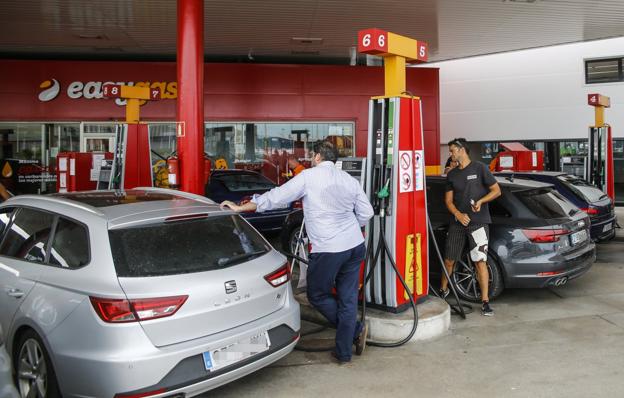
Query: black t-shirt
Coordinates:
[472,182]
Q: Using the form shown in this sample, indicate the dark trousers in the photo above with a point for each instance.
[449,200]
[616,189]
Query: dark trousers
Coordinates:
[340,270]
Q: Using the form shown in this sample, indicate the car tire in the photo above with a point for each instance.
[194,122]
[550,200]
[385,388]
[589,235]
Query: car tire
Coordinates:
[33,367]
[289,243]
[465,279]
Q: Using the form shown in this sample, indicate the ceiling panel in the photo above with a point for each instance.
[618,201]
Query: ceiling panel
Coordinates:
[253,30]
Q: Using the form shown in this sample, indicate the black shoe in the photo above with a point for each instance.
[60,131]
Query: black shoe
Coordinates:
[360,342]
[486,309]
[338,360]
[444,293]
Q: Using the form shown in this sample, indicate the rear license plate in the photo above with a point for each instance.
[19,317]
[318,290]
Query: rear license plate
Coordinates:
[578,237]
[607,227]
[236,352]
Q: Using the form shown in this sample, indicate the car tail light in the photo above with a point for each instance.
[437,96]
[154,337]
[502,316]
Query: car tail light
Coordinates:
[279,276]
[142,394]
[590,211]
[549,273]
[297,204]
[121,310]
[544,235]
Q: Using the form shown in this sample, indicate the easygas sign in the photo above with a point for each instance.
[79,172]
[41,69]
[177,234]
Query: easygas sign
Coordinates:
[52,88]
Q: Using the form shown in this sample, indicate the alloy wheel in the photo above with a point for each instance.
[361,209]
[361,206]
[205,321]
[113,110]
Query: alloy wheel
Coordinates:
[465,279]
[32,372]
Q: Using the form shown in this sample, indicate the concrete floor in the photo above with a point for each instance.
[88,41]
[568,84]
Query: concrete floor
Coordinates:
[560,342]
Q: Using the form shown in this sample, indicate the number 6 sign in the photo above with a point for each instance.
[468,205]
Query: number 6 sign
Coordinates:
[379,42]
[373,41]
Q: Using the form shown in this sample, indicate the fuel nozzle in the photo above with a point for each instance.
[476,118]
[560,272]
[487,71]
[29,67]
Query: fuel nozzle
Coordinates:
[382,195]
[384,192]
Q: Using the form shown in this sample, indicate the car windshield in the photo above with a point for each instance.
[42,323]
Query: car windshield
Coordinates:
[546,203]
[245,182]
[583,189]
[185,246]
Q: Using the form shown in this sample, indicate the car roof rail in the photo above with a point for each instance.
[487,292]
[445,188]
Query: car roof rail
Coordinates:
[182,194]
[60,200]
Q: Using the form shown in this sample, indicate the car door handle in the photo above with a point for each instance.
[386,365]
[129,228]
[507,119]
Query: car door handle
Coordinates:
[15,293]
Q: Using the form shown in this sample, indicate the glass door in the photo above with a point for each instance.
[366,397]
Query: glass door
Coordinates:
[97,137]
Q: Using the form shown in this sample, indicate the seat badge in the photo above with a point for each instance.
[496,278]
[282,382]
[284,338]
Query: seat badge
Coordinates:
[230,287]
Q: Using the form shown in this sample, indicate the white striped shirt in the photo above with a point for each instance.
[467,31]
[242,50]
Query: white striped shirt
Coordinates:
[334,206]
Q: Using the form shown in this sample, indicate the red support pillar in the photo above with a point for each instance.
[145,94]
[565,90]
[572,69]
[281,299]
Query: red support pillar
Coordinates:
[190,106]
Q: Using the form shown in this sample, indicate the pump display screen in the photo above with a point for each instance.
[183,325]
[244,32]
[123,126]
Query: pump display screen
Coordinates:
[356,167]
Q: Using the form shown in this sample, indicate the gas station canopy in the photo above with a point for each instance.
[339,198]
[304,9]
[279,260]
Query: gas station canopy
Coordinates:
[315,31]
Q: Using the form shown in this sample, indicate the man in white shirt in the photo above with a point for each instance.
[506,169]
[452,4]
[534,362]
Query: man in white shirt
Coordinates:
[335,208]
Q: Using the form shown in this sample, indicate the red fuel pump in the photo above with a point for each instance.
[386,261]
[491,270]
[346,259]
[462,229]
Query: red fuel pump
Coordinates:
[396,187]
[395,179]
[79,171]
[517,157]
[599,166]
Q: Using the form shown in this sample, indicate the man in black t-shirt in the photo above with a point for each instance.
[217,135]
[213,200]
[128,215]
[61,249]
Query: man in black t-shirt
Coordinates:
[469,188]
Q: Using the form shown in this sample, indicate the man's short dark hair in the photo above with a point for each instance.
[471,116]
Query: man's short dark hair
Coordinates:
[326,150]
[460,143]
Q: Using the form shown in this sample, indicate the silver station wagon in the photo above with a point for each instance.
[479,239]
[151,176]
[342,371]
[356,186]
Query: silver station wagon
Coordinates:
[138,293]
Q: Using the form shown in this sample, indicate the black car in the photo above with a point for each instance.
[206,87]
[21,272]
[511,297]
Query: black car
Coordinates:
[587,197]
[537,238]
[239,186]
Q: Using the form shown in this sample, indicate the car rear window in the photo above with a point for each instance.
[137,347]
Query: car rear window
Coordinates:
[583,189]
[185,246]
[546,203]
[245,182]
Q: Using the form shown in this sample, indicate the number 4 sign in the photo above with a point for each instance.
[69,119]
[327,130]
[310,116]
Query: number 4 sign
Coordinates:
[598,100]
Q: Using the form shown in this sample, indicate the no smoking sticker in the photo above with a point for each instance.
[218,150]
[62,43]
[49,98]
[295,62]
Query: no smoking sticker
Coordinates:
[405,160]
[406,172]
[419,167]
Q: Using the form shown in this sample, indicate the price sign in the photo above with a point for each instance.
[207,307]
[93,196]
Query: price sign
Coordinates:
[111,91]
[373,41]
[423,51]
[598,100]
[154,93]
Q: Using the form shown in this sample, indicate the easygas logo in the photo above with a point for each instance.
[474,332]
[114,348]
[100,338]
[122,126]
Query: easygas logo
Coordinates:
[93,89]
[50,91]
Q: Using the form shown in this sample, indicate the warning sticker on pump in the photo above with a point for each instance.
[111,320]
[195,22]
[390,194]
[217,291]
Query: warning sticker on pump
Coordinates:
[406,170]
[419,169]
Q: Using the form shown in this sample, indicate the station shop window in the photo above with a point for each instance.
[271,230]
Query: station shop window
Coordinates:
[262,147]
[28,154]
[604,70]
